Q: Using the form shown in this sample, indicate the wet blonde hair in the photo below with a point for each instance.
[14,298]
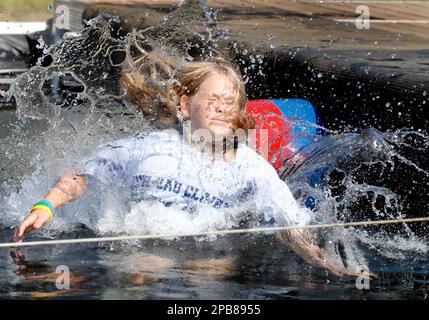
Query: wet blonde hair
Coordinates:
[156,81]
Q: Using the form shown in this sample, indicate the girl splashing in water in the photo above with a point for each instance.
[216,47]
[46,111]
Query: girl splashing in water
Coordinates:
[207,168]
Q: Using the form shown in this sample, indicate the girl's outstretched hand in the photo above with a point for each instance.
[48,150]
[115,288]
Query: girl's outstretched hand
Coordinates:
[35,220]
[304,244]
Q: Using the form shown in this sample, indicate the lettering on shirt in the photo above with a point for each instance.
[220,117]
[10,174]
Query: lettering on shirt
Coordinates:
[140,183]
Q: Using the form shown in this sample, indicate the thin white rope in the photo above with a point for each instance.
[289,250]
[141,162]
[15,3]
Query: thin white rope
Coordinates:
[218,232]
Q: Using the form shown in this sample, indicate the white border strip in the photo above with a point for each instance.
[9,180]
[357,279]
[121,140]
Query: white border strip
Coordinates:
[382,21]
[21,27]
[321,2]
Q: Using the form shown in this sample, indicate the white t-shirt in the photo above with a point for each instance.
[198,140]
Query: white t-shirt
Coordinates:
[161,167]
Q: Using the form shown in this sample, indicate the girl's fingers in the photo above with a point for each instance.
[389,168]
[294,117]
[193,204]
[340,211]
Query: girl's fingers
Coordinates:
[39,222]
[20,254]
[25,226]
[18,257]
[15,257]
[22,227]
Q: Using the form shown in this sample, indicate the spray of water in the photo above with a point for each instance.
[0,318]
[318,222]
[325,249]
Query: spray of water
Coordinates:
[72,101]
[360,176]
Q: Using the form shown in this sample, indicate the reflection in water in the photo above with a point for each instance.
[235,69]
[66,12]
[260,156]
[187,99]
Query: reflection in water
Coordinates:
[187,270]
[66,109]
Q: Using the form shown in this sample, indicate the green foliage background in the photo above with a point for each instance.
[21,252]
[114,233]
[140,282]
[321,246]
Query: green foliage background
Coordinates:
[24,10]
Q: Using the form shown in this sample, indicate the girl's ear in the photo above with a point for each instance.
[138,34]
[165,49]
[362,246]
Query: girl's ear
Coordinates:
[185,106]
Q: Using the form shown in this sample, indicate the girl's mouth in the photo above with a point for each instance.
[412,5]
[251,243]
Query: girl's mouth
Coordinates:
[220,121]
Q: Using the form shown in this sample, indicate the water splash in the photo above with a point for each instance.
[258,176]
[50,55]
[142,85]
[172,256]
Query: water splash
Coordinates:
[359,176]
[74,95]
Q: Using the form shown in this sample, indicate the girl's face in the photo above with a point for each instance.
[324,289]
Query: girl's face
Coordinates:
[213,107]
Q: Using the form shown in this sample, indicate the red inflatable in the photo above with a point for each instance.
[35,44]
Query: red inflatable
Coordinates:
[268,116]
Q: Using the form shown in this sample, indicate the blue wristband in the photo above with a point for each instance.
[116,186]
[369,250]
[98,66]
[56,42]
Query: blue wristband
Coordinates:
[46,203]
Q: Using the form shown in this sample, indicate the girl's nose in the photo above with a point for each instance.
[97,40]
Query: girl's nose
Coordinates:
[220,107]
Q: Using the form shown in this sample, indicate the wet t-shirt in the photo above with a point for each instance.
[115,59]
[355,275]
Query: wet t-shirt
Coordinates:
[161,167]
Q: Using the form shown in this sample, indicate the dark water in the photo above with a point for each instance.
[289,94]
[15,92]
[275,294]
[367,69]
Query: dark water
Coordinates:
[343,176]
[259,268]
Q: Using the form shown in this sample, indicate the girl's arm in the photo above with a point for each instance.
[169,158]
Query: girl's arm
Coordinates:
[302,242]
[275,200]
[67,188]
[109,165]
[104,165]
